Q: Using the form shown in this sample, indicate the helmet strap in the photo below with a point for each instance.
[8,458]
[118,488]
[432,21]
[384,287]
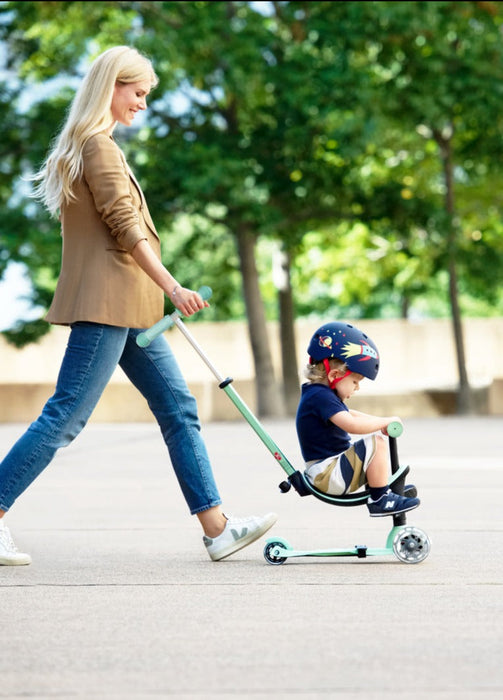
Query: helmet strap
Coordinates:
[333,382]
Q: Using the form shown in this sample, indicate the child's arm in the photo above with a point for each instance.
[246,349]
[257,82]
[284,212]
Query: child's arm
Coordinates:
[361,423]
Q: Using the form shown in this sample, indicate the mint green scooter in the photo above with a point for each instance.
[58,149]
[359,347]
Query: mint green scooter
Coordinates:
[409,544]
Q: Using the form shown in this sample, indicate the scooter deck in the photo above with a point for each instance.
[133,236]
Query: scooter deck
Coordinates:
[278,548]
[360,551]
[407,543]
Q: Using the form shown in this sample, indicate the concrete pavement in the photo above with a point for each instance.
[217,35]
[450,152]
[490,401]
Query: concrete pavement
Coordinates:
[121,600]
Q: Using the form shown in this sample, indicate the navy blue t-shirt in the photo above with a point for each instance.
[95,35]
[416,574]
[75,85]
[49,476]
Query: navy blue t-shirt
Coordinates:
[318,436]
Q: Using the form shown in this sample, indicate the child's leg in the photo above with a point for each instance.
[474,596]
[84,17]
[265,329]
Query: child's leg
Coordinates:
[378,468]
[382,500]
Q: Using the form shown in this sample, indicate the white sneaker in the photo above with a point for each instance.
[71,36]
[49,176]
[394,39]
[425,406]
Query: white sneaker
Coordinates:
[238,533]
[9,555]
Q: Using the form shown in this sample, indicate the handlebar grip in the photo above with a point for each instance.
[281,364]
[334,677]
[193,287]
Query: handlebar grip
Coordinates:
[205,292]
[394,429]
[146,337]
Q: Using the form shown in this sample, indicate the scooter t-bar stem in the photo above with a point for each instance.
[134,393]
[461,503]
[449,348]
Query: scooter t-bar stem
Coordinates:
[394,430]
[146,337]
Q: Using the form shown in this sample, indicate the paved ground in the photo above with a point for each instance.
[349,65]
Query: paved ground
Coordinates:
[122,602]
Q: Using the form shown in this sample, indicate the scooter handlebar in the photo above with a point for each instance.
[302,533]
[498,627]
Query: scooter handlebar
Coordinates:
[394,429]
[146,337]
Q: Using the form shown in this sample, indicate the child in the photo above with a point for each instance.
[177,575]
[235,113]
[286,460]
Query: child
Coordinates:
[340,357]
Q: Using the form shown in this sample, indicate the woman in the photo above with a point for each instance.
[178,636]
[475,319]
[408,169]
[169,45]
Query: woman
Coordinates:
[111,286]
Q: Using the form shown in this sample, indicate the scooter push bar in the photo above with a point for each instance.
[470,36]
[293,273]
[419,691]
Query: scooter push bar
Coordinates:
[146,337]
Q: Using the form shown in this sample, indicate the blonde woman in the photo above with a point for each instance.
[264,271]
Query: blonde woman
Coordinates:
[111,286]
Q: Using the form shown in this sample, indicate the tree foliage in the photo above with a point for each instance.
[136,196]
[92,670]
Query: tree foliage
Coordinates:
[362,139]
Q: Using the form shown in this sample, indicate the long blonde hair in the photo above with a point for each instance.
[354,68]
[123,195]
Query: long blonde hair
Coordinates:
[89,113]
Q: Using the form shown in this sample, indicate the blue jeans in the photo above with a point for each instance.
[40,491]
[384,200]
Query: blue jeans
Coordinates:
[93,353]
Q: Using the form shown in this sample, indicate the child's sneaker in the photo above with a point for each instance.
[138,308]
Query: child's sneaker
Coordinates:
[238,533]
[9,555]
[391,504]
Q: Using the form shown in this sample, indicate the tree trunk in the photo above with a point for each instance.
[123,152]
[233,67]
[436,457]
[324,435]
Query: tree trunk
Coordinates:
[268,396]
[289,366]
[464,402]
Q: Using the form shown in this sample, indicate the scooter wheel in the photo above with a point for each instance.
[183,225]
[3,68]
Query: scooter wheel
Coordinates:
[272,558]
[411,545]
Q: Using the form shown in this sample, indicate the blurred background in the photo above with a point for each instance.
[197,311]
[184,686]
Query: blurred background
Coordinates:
[309,161]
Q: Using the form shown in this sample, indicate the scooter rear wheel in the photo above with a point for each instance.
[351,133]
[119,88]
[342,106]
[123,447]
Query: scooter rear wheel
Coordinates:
[274,558]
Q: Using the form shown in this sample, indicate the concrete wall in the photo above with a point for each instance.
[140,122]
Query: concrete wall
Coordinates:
[418,373]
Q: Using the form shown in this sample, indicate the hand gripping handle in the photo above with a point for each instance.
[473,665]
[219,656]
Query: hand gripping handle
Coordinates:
[146,337]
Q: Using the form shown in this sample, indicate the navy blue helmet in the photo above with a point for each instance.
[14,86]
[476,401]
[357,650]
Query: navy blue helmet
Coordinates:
[348,344]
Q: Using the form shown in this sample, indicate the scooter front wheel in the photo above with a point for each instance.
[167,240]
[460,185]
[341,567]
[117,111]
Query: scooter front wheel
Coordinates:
[411,545]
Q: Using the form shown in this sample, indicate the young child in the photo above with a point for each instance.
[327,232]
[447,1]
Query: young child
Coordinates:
[340,357]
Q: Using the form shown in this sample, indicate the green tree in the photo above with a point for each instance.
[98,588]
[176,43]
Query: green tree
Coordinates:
[439,68]
[328,127]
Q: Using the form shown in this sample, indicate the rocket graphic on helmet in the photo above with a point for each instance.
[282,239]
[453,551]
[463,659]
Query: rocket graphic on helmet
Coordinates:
[346,343]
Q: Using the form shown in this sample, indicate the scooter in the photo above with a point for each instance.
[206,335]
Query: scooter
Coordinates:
[409,544]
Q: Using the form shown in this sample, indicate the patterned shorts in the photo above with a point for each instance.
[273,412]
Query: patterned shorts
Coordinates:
[346,472]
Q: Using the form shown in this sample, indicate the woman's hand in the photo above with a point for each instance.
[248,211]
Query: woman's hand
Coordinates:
[187,301]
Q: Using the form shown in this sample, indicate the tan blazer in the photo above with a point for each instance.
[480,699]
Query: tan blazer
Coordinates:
[99,279]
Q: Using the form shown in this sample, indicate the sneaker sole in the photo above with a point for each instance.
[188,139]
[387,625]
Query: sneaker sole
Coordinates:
[19,562]
[395,512]
[245,541]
